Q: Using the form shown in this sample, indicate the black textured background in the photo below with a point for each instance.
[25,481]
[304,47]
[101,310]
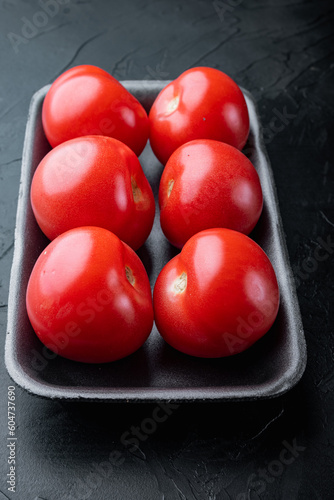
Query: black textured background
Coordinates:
[282,51]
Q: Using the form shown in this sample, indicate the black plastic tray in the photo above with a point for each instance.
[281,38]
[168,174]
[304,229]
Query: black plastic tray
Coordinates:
[156,372]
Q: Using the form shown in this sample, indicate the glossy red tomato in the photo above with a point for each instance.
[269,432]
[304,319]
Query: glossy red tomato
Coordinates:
[89,297]
[208,184]
[218,296]
[93,181]
[202,103]
[86,100]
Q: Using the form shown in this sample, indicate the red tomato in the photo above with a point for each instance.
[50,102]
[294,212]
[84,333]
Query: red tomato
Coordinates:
[86,100]
[93,181]
[89,297]
[208,184]
[202,103]
[218,296]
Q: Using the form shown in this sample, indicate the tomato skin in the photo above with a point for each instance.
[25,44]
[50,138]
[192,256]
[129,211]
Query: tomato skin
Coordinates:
[208,184]
[202,103]
[86,100]
[80,302]
[218,296]
[93,181]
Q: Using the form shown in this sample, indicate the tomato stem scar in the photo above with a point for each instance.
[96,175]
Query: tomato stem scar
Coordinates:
[170,187]
[173,104]
[180,284]
[129,275]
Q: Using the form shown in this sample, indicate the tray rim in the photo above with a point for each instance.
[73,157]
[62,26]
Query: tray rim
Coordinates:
[149,394]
